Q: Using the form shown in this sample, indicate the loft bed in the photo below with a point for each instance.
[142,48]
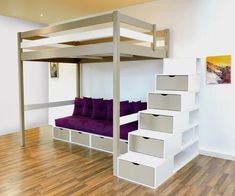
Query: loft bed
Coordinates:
[112,37]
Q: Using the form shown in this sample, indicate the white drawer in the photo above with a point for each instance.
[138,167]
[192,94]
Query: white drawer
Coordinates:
[156,122]
[178,82]
[102,143]
[177,102]
[166,121]
[80,138]
[61,133]
[144,169]
[137,172]
[146,145]
[181,65]
[154,143]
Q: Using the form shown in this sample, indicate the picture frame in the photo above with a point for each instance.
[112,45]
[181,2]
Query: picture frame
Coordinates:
[54,70]
[218,69]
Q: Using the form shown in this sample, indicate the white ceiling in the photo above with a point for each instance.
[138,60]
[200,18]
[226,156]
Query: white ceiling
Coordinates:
[53,11]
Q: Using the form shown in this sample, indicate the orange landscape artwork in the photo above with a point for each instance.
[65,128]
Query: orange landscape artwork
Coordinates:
[219,69]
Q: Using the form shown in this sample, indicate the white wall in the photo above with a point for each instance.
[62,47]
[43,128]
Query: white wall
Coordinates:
[137,78]
[36,80]
[200,28]
[61,89]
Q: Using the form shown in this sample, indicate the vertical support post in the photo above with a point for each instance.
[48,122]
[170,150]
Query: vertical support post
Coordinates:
[78,80]
[21,92]
[154,37]
[81,80]
[116,90]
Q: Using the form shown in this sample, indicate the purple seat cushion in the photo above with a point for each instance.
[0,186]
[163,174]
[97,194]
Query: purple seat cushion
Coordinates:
[81,123]
[78,106]
[124,109]
[99,109]
[96,126]
[124,129]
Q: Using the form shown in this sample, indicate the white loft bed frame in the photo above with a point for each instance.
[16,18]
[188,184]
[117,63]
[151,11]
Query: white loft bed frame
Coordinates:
[113,44]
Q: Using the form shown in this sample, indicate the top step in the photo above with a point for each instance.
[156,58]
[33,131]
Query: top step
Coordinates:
[184,66]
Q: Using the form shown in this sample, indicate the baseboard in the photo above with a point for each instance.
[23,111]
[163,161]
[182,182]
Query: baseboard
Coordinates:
[217,155]
[7,132]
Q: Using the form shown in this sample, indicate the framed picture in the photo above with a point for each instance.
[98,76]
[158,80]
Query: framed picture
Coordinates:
[54,70]
[218,69]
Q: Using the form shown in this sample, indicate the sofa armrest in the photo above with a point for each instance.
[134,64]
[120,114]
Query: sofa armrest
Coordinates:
[128,118]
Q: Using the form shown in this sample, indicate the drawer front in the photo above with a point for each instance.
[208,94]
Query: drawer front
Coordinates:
[123,147]
[156,122]
[145,145]
[102,143]
[164,101]
[138,173]
[80,138]
[179,83]
[62,134]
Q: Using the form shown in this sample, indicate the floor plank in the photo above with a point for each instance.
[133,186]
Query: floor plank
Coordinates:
[47,167]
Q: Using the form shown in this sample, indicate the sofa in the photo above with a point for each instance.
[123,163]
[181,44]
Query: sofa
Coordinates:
[95,116]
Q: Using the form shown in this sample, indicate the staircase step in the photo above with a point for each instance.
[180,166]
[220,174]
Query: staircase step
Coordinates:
[168,112]
[180,82]
[181,65]
[171,100]
[151,134]
[157,144]
[143,169]
[167,121]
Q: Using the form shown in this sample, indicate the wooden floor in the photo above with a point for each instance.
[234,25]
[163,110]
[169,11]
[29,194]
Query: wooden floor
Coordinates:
[47,167]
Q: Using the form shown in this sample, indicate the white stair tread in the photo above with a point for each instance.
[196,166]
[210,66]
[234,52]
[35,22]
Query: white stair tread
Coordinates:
[142,159]
[181,130]
[152,134]
[198,73]
[182,58]
[171,92]
[168,112]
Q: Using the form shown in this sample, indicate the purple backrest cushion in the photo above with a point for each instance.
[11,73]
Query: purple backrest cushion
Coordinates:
[131,106]
[124,109]
[138,106]
[87,109]
[109,107]
[99,109]
[78,106]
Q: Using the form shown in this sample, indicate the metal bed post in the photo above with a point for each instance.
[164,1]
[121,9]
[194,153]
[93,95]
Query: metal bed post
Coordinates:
[21,92]
[116,90]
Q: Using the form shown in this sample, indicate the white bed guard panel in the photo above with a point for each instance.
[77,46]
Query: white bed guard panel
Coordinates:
[128,118]
[91,35]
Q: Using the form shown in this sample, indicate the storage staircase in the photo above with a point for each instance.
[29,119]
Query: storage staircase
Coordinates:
[167,138]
